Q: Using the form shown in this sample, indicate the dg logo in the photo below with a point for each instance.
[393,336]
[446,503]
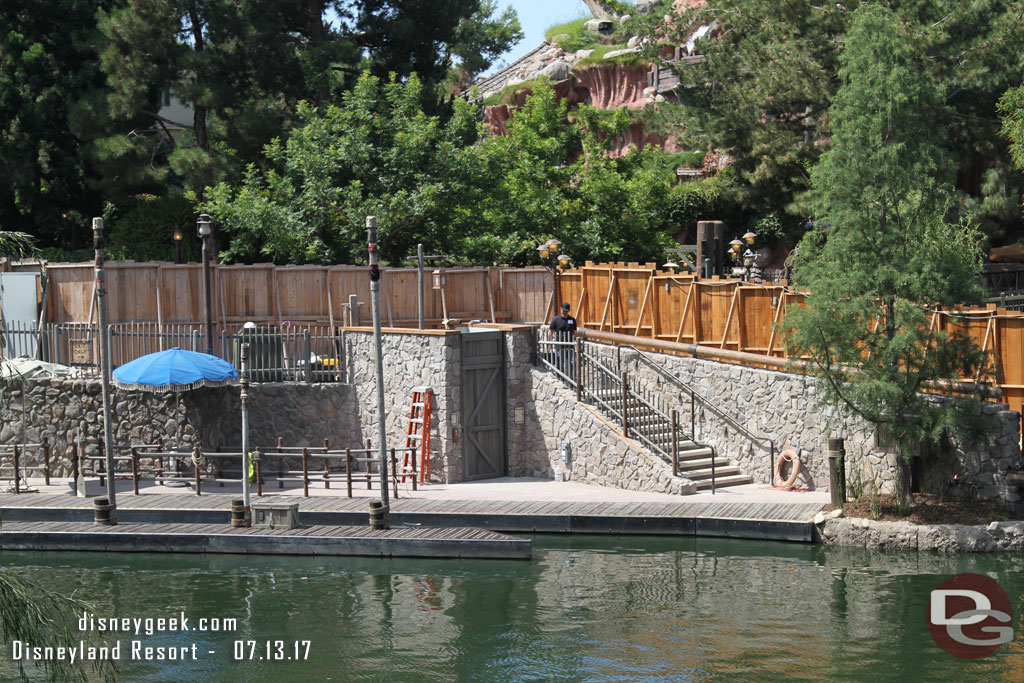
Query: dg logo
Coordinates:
[970,616]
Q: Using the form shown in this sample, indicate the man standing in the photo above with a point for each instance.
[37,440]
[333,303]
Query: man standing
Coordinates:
[563,323]
[561,332]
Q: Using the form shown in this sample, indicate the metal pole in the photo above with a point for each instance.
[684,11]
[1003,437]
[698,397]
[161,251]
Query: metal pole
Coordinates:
[419,288]
[371,232]
[244,365]
[101,306]
[207,295]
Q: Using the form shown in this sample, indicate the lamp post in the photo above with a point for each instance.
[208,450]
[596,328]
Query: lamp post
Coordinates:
[205,231]
[554,262]
[178,237]
[745,261]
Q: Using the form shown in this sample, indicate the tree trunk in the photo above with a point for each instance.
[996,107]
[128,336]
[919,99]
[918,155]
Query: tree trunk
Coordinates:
[601,10]
[903,493]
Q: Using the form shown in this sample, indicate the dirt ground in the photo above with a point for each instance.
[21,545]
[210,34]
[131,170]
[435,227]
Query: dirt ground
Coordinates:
[930,509]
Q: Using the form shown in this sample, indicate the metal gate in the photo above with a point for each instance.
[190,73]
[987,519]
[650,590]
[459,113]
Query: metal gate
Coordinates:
[483,405]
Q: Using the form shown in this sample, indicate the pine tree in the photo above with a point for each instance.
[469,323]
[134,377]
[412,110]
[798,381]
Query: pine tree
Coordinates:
[883,252]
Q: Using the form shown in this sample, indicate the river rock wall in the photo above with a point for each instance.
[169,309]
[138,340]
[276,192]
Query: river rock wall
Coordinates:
[549,415]
[787,408]
[853,532]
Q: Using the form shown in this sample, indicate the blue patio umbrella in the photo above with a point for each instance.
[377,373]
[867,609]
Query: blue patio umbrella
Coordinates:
[174,370]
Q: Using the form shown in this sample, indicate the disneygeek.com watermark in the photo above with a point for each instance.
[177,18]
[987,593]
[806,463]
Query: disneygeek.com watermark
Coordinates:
[970,616]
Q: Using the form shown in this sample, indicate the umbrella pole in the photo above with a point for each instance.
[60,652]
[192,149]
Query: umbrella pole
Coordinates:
[244,366]
[101,298]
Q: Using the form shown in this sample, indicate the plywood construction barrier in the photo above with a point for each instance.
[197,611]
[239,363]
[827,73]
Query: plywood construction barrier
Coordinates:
[269,294]
[643,301]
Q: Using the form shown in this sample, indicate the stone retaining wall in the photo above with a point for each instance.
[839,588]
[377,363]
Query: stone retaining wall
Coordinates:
[946,538]
[599,454]
[786,408]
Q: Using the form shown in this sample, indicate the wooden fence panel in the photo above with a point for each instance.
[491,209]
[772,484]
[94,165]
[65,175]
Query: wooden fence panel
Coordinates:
[526,294]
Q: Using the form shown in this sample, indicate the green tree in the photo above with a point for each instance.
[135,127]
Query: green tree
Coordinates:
[480,39]
[770,70]
[378,153]
[886,253]
[1011,107]
[48,68]
[552,176]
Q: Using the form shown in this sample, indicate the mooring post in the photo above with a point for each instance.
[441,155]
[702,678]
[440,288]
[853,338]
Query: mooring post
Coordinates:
[837,471]
[46,460]
[280,464]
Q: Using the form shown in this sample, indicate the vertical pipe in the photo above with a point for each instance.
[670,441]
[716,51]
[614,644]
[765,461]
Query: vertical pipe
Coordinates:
[422,309]
[579,370]
[625,403]
[135,471]
[101,293]
[327,471]
[17,477]
[371,233]
[675,443]
[258,472]
[348,470]
[46,460]
[207,287]
[305,472]
[309,356]
[195,466]
[244,381]
[394,468]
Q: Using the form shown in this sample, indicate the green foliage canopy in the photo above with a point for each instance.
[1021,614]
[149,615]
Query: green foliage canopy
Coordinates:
[885,251]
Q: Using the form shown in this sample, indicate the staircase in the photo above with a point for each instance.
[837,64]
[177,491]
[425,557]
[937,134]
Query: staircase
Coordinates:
[642,415]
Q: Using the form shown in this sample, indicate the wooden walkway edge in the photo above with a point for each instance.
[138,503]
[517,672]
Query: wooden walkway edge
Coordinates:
[460,543]
[764,521]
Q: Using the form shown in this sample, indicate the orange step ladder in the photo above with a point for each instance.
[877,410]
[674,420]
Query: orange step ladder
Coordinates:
[418,435]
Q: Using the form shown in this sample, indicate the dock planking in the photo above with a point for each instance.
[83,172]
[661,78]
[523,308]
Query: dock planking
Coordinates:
[760,520]
[455,542]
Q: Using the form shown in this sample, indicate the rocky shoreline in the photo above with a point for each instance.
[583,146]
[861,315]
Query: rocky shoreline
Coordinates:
[835,530]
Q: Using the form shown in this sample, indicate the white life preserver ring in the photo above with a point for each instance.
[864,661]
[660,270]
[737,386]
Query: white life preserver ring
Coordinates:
[789,455]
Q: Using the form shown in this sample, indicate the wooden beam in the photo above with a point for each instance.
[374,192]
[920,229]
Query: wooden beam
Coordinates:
[728,318]
[607,300]
[643,307]
[686,308]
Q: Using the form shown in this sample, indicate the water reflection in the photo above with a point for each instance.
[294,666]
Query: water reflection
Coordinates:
[586,608]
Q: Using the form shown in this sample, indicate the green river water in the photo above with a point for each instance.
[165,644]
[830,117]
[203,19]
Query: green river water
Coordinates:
[585,609]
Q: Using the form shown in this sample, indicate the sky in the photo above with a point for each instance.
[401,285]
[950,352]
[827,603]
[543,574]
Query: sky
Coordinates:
[536,16]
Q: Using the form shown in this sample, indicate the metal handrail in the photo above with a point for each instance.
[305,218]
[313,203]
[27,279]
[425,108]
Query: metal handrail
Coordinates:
[750,436]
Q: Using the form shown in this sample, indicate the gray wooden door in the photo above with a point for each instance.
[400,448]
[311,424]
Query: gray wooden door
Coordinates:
[483,405]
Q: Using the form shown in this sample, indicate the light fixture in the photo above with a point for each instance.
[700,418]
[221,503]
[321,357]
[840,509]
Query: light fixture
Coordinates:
[178,234]
[736,245]
[563,260]
[670,266]
[203,225]
[553,244]
[749,238]
[748,258]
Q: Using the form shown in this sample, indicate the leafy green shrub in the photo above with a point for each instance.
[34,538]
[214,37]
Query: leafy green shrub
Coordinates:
[142,229]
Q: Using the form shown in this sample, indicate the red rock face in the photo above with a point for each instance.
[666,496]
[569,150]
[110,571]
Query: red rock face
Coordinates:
[611,86]
[604,86]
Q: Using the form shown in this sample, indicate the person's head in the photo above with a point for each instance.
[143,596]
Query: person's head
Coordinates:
[565,308]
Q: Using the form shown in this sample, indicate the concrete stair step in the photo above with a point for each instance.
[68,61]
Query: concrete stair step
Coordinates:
[720,472]
[721,482]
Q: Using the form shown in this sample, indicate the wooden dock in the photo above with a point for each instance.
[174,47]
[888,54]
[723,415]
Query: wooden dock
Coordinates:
[766,521]
[221,538]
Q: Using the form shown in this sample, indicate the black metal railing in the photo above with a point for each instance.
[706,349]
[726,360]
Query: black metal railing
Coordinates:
[276,354]
[644,415]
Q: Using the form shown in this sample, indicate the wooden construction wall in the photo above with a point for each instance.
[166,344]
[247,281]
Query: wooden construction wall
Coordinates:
[640,300]
[265,294]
